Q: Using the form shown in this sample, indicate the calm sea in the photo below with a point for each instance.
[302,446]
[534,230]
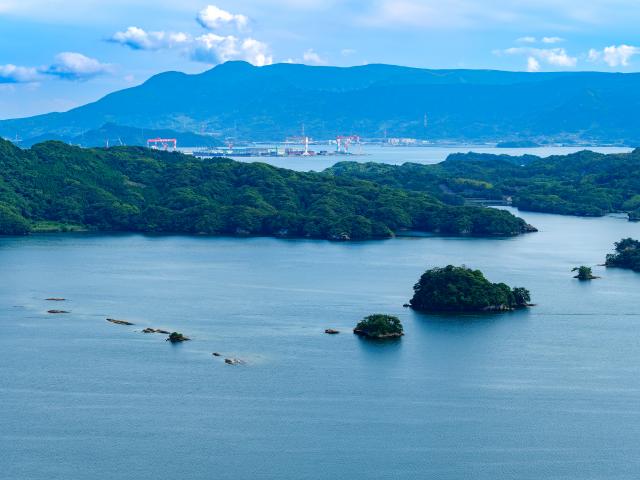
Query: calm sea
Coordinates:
[550,393]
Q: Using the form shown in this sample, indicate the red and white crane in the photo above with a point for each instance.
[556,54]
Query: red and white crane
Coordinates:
[343,142]
[162,143]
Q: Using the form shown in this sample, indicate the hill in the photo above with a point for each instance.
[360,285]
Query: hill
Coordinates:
[114,135]
[239,100]
[583,183]
[54,186]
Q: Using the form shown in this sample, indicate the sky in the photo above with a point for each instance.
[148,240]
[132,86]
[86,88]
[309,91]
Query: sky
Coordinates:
[58,54]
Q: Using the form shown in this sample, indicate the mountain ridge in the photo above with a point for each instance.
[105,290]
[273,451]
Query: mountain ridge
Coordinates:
[239,100]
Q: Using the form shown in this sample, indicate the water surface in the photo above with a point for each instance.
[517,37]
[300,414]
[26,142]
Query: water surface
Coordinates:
[423,155]
[551,393]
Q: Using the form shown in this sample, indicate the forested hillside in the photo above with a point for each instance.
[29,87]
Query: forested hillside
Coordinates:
[583,183]
[57,186]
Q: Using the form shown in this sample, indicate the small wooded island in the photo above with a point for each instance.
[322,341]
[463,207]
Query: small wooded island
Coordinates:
[461,289]
[379,327]
[584,273]
[627,255]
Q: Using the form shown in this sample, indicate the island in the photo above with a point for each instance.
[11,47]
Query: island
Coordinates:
[461,289]
[584,273]
[627,255]
[585,183]
[176,337]
[379,327]
[58,187]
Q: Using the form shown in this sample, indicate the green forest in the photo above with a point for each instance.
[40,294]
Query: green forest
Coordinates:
[627,255]
[584,183]
[57,187]
[461,289]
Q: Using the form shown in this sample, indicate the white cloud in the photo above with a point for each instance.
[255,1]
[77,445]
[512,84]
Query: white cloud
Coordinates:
[76,66]
[551,40]
[527,40]
[555,57]
[212,17]
[16,74]
[533,65]
[312,58]
[614,55]
[256,52]
[213,49]
[347,52]
[139,39]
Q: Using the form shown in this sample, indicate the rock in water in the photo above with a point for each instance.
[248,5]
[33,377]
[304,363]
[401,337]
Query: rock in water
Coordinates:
[119,322]
[57,311]
[155,330]
[56,299]
[331,331]
[234,361]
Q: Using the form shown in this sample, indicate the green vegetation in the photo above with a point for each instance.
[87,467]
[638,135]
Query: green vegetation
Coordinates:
[627,255]
[584,273]
[57,187]
[460,289]
[175,337]
[584,183]
[379,326]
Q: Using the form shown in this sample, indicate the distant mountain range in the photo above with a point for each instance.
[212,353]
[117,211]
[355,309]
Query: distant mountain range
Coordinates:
[244,102]
[111,134]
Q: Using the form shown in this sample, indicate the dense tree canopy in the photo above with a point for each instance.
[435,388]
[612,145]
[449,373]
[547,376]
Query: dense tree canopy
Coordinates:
[461,289]
[141,190]
[584,183]
[379,326]
[627,255]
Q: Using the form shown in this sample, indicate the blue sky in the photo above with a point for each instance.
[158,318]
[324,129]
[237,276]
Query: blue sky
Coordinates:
[56,54]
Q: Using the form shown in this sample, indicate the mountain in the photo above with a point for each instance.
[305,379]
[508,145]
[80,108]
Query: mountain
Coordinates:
[112,134]
[239,100]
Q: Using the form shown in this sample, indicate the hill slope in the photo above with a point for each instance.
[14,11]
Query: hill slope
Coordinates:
[140,190]
[583,183]
[269,103]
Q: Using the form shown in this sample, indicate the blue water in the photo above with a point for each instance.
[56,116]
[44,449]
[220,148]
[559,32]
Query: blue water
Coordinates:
[423,155]
[550,393]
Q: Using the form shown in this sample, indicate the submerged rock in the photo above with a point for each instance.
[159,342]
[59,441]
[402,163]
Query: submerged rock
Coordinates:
[57,311]
[216,354]
[331,331]
[155,330]
[176,337]
[119,322]
[234,361]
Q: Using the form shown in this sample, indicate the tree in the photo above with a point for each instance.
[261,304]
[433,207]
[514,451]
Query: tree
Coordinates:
[584,273]
[522,296]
